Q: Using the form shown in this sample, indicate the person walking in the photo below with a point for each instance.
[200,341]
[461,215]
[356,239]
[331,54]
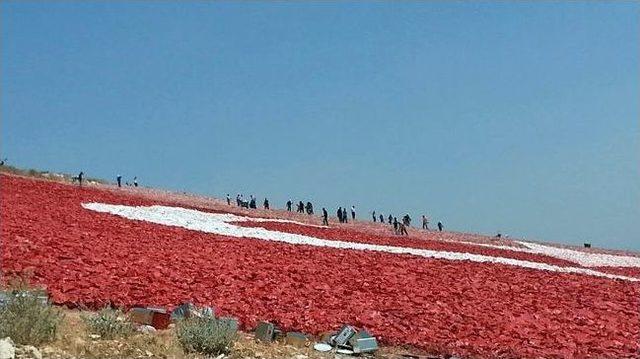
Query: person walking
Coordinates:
[119,180]
[353,213]
[325,217]
[374,216]
[403,229]
[289,203]
[406,220]
[390,219]
[425,222]
[440,226]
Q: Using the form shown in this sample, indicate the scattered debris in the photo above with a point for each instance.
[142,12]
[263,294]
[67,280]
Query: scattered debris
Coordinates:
[146,329]
[322,347]
[347,341]
[265,332]
[7,348]
[30,351]
[296,339]
[156,317]
[189,310]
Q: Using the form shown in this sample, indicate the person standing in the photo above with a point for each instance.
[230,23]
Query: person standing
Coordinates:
[381,218]
[119,180]
[374,216]
[440,226]
[289,203]
[403,229]
[345,215]
[325,217]
[353,213]
[425,222]
[266,203]
[406,220]
[80,175]
[228,200]
[135,181]
[390,219]
[339,214]
[395,224]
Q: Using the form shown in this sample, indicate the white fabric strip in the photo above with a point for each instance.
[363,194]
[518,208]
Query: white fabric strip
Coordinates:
[216,223]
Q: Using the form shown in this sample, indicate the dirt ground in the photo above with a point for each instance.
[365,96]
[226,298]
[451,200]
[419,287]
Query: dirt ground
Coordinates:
[75,342]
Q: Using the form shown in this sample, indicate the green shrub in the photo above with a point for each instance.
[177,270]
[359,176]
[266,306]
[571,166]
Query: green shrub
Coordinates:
[109,324]
[206,335]
[27,316]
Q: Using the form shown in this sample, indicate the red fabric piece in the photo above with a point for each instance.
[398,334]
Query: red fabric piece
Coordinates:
[458,307]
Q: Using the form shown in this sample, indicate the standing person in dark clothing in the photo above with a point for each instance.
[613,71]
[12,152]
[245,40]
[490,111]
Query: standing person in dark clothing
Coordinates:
[339,214]
[252,203]
[406,220]
[390,219]
[80,175]
[375,219]
[119,180]
[425,222]
[300,207]
[381,218]
[440,226]
[309,208]
[135,181]
[325,217]
[403,229]
[289,203]
[266,203]
[345,215]
[353,213]
[238,200]
[395,224]
[228,200]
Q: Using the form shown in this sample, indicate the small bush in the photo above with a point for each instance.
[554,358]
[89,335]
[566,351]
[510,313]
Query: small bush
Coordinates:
[109,324]
[205,335]
[27,316]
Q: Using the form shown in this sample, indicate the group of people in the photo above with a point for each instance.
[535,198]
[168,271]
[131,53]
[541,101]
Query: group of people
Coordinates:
[343,216]
[399,227]
[119,181]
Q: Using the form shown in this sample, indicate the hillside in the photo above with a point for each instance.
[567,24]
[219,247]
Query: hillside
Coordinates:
[447,292]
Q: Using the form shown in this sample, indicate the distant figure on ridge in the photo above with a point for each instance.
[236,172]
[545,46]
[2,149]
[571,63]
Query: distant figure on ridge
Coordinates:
[395,225]
[79,178]
[228,200]
[353,213]
[339,213]
[289,203]
[300,207]
[381,218]
[374,217]
[135,181]
[309,208]
[390,219]
[406,220]
[266,203]
[119,180]
[325,217]
[440,226]
[425,222]
[402,229]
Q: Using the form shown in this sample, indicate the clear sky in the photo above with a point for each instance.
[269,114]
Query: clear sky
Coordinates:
[508,116]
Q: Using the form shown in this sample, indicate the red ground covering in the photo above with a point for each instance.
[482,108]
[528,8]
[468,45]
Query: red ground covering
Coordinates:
[343,234]
[466,308]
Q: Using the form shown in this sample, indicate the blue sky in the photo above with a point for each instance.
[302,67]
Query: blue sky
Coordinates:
[511,116]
